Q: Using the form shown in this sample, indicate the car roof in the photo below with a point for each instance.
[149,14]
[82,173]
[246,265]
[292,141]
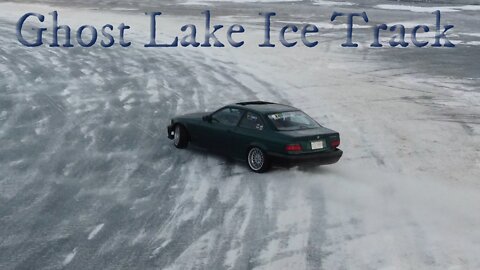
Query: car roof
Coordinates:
[264,107]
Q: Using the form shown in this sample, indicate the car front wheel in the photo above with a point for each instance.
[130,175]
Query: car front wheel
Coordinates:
[257,160]
[180,137]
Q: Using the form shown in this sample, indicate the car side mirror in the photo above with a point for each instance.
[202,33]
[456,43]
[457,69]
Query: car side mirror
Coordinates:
[207,118]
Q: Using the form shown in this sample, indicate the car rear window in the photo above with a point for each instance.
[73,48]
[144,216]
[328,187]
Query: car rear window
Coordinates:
[295,120]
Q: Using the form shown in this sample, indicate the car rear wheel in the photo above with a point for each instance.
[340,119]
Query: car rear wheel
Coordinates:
[257,160]
[180,137]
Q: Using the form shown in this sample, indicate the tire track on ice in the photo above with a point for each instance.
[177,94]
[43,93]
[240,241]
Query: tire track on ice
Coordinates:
[101,157]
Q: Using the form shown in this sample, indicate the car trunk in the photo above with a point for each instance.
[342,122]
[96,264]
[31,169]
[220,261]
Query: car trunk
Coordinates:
[313,140]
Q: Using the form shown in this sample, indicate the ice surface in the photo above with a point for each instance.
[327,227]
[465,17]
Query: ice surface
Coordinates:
[212,2]
[430,8]
[89,179]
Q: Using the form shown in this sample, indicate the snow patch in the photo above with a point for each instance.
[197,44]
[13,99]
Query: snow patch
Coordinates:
[96,230]
[124,93]
[70,257]
[472,43]
[295,261]
[296,216]
[140,237]
[158,249]
[196,256]
[226,192]
[470,34]
[429,9]
[123,9]
[207,215]
[211,2]
[332,3]
[231,257]
[326,25]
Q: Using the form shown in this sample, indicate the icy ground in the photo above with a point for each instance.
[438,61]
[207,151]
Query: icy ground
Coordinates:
[88,179]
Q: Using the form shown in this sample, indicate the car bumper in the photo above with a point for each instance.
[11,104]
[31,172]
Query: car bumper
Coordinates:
[170,132]
[321,158]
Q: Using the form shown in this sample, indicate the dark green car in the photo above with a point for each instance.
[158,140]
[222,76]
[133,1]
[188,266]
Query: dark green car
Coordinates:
[260,133]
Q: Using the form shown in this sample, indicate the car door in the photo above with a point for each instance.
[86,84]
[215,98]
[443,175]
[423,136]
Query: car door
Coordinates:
[219,135]
[250,130]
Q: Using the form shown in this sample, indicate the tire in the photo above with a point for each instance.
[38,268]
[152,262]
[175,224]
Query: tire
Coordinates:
[180,138]
[257,160]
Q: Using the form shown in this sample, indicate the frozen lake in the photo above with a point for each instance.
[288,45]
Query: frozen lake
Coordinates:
[90,181]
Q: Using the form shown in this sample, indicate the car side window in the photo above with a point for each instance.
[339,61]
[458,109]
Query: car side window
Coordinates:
[252,121]
[227,116]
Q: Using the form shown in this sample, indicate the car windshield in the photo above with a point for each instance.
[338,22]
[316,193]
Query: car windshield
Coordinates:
[295,120]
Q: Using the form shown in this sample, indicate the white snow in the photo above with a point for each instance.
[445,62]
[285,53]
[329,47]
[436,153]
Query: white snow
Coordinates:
[68,259]
[231,257]
[470,34]
[429,9]
[316,2]
[123,9]
[327,25]
[332,3]
[199,250]
[95,231]
[294,261]
[472,43]
[396,200]
[158,249]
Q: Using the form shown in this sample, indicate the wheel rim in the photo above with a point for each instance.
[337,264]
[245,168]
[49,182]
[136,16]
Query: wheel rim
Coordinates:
[255,159]
[176,136]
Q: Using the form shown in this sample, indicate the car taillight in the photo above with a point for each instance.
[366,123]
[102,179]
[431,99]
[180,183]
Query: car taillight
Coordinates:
[335,143]
[293,147]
